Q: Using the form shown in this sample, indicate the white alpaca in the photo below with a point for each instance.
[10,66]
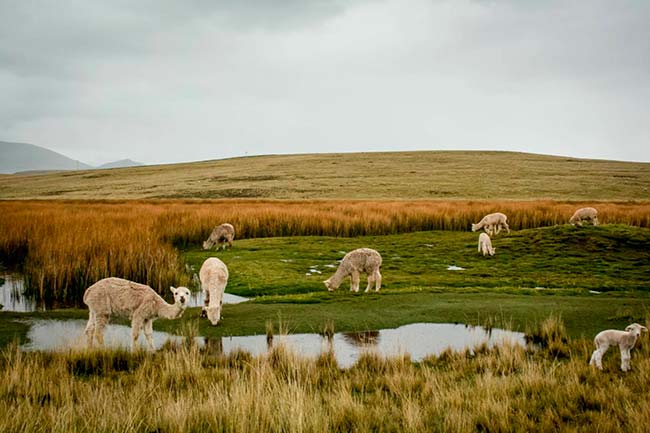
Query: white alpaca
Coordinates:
[214,277]
[492,223]
[584,214]
[360,260]
[625,341]
[221,235]
[112,297]
[485,245]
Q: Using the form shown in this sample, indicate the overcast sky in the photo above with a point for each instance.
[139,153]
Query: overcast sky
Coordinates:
[169,81]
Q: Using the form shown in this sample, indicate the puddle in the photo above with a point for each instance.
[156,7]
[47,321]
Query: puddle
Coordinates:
[11,296]
[418,339]
[196,300]
[12,300]
[455,268]
[67,334]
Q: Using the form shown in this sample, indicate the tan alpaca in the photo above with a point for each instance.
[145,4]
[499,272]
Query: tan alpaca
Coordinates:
[360,260]
[116,297]
[214,277]
[221,235]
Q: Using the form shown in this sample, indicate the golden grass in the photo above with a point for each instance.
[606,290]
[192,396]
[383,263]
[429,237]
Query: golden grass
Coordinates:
[64,246]
[186,389]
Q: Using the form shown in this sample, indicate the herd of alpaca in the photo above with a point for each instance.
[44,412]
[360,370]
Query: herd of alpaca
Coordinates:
[111,297]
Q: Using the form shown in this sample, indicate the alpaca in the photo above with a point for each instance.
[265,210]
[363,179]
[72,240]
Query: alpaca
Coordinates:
[123,298]
[584,214]
[485,245]
[492,223]
[360,260]
[214,277]
[222,234]
[625,341]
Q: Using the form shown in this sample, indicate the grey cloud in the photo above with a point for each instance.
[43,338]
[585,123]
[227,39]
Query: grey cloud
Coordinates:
[205,79]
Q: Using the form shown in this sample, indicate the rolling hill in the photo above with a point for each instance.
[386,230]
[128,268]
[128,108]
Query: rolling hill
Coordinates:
[383,175]
[17,157]
[28,159]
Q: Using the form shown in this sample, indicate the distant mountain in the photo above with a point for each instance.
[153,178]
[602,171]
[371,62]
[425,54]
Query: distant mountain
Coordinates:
[16,157]
[121,164]
[27,158]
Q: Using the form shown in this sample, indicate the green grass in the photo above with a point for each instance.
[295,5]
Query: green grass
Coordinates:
[381,175]
[567,261]
[603,258]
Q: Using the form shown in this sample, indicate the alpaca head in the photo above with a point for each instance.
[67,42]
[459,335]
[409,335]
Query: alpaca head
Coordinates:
[181,296]
[474,227]
[636,329]
[493,250]
[330,286]
[214,314]
[207,244]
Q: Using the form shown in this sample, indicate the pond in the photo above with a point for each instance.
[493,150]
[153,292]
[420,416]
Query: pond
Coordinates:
[417,339]
[12,299]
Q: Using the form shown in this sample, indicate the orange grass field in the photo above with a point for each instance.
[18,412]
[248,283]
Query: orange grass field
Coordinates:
[62,247]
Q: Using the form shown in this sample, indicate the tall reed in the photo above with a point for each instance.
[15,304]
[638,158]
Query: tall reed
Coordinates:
[64,246]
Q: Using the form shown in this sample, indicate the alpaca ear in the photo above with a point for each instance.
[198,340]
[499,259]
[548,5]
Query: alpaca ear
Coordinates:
[643,328]
[173,289]
[628,328]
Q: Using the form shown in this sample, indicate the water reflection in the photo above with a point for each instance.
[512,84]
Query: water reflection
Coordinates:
[362,339]
[12,298]
[197,299]
[11,295]
[418,339]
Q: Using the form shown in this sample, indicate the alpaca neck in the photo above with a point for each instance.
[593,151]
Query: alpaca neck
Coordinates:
[170,311]
[337,278]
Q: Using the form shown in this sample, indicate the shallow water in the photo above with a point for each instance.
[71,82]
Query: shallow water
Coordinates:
[12,299]
[11,296]
[418,339]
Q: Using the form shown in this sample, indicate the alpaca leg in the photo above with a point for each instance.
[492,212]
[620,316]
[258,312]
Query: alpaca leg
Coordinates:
[595,221]
[148,333]
[377,280]
[625,359]
[136,326]
[90,329]
[507,227]
[100,324]
[597,356]
[206,303]
[354,287]
[371,281]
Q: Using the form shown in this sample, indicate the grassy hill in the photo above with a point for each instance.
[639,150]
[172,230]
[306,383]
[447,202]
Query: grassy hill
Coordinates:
[388,175]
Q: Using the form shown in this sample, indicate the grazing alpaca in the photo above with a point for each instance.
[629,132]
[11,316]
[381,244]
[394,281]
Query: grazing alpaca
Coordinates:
[360,260]
[584,214]
[214,277]
[221,235]
[625,341]
[112,297]
[485,245]
[492,223]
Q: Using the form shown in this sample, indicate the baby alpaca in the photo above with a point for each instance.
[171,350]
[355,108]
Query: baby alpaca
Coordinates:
[584,214]
[214,277]
[112,297]
[625,341]
[222,234]
[360,260]
[492,223]
[485,244]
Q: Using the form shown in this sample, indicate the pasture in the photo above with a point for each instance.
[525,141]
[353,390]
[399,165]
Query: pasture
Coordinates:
[555,282]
